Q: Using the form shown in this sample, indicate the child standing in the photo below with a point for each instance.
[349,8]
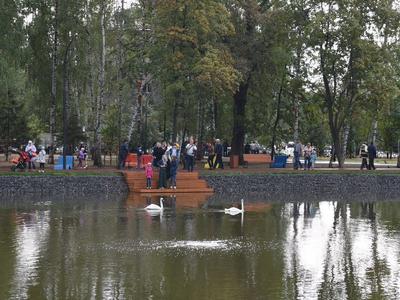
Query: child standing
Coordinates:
[173,171]
[149,174]
[81,157]
[41,159]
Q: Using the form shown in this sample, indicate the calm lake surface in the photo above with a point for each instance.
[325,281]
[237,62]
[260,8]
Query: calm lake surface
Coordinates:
[193,250]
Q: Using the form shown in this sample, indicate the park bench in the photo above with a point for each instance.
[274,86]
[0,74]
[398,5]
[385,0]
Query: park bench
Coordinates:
[257,159]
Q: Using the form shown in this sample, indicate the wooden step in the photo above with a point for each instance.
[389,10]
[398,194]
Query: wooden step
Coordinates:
[175,191]
[199,184]
[183,181]
[186,183]
[140,175]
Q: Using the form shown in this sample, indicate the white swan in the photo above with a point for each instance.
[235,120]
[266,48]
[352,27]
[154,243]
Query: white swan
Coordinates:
[155,206]
[235,210]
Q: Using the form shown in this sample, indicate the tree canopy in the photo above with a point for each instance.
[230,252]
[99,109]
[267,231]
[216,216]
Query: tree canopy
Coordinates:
[324,71]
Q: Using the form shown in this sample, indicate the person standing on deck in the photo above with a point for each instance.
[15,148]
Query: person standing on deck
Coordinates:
[190,154]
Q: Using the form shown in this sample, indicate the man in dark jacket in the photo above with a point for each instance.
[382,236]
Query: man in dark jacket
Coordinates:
[123,154]
[219,150]
[371,155]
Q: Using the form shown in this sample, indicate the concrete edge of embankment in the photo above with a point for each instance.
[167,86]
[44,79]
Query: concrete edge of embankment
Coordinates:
[308,187]
[263,187]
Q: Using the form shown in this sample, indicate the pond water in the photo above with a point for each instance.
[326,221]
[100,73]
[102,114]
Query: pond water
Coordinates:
[116,250]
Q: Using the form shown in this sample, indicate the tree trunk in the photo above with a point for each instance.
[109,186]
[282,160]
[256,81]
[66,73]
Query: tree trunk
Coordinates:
[65,104]
[97,138]
[278,117]
[136,110]
[374,130]
[120,74]
[53,87]
[345,138]
[296,120]
[239,120]
[174,120]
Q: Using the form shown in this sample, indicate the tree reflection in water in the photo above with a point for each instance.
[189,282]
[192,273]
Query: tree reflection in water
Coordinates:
[301,250]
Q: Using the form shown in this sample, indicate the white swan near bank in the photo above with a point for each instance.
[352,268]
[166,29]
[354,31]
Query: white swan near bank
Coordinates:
[155,206]
[235,210]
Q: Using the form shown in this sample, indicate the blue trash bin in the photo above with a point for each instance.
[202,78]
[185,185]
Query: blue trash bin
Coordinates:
[279,161]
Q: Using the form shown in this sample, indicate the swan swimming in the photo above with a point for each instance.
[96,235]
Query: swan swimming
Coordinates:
[235,210]
[155,206]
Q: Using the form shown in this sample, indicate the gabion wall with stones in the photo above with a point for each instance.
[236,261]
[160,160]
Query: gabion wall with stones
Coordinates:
[307,187]
[61,186]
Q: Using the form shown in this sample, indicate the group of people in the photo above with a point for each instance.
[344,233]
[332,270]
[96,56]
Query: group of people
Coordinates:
[35,155]
[368,152]
[308,152]
[166,159]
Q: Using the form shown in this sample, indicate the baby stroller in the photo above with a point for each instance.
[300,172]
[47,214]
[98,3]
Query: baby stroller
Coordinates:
[20,161]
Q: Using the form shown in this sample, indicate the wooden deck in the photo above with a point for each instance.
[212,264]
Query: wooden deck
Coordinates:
[185,183]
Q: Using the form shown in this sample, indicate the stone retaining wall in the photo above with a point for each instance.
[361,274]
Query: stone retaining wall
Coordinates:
[61,186]
[303,187]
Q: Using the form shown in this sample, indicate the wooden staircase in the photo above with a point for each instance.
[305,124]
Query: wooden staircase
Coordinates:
[185,183]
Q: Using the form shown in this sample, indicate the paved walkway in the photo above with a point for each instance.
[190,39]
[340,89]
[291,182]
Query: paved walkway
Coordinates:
[322,165]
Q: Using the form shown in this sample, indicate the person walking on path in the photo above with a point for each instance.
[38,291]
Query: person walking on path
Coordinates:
[149,175]
[219,151]
[123,154]
[190,154]
[41,159]
[307,156]
[371,156]
[31,150]
[298,150]
[81,157]
[173,171]
[364,156]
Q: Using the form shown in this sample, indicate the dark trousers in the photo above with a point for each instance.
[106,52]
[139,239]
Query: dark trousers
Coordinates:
[218,161]
[173,180]
[371,162]
[190,162]
[364,163]
[162,181]
[210,160]
[121,162]
[148,182]
[296,161]
[41,166]
[307,163]
[31,165]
